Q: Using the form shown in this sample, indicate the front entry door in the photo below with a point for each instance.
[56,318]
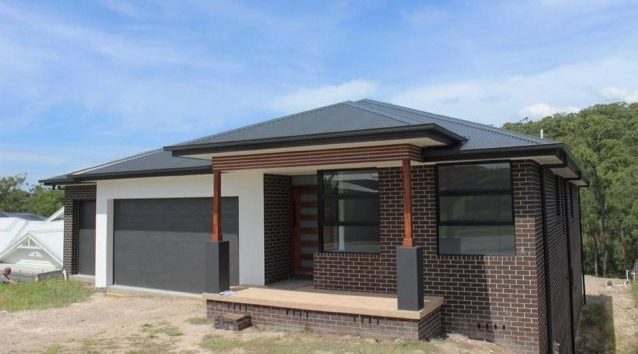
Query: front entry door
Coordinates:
[305,228]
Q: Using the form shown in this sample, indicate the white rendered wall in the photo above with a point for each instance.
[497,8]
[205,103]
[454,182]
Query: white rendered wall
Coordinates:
[248,186]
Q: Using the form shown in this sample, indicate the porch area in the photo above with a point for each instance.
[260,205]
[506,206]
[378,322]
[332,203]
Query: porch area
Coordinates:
[296,305]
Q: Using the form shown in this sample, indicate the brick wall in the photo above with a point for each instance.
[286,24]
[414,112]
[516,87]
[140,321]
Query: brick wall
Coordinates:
[329,322]
[562,222]
[488,297]
[277,233]
[576,252]
[72,197]
[494,298]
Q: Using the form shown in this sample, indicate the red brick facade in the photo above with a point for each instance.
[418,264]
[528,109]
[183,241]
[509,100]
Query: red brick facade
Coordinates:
[329,322]
[496,298]
[72,197]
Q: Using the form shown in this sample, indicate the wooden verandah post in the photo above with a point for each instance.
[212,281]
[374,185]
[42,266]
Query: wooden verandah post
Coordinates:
[217,250]
[409,258]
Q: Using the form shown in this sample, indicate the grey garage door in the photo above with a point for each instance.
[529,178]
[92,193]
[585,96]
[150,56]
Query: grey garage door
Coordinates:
[159,243]
[86,237]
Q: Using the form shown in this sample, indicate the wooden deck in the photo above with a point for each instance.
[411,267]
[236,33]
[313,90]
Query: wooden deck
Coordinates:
[309,299]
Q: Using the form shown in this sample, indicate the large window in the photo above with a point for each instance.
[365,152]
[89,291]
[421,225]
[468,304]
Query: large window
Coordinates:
[349,210]
[475,209]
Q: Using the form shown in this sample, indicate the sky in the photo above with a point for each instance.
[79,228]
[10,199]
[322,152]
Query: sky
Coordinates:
[85,82]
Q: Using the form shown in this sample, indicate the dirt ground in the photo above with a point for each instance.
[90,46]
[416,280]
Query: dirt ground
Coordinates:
[624,311]
[159,324]
[143,324]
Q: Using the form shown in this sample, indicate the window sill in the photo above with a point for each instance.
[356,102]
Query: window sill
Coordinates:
[478,256]
[348,253]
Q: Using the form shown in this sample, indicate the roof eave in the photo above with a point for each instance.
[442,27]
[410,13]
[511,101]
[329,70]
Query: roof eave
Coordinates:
[433,131]
[84,178]
[557,149]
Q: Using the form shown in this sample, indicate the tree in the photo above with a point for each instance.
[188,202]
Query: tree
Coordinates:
[12,195]
[17,196]
[604,141]
[45,201]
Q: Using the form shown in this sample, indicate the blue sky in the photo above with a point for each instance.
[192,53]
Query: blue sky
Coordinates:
[85,82]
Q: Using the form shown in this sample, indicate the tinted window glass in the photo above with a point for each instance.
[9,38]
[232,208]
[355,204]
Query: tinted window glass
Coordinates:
[349,203]
[475,177]
[351,210]
[475,209]
[492,240]
[485,208]
[351,238]
[350,182]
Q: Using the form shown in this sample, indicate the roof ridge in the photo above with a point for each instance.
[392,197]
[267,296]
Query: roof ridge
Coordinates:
[354,104]
[463,122]
[258,124]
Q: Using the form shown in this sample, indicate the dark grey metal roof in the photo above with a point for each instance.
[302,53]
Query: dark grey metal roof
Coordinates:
[151,163]
[479,136]
[345,120]
[363,115]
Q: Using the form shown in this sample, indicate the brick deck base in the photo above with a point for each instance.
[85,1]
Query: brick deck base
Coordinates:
[335,323]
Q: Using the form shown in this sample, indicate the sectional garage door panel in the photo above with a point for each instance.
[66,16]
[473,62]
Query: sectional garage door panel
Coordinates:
[159,243]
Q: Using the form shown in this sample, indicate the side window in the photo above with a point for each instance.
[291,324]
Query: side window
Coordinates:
[349,211]
[475,210]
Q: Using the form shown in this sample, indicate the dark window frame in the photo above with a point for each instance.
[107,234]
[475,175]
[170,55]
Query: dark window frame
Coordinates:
[321,196]
[473,192]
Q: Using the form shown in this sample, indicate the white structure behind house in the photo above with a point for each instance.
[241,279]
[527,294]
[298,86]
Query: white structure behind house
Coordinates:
[30,245]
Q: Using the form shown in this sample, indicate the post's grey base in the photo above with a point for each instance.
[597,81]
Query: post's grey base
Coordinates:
[217,267]
[410,278]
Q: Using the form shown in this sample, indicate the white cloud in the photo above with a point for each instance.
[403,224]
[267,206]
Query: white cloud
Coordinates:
[541,110]
[48,161]
[619,94]
[313,97]
[496,100]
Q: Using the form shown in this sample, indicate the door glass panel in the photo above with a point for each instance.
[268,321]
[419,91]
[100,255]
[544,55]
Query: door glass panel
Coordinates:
[308,250]
[308,197]
[309,237]
[308,211]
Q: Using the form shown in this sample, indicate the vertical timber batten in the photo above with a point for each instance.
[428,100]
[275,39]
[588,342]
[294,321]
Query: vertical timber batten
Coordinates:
[217,206]
[408,237]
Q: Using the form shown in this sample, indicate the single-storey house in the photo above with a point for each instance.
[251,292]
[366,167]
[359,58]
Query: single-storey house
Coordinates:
[398,223]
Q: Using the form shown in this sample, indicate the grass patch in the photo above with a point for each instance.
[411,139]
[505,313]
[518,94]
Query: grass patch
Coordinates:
[198,321]
[53,349]
[596,328]
[634,292]
[161,328]
[45,294]
[148,345]
[310,343]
